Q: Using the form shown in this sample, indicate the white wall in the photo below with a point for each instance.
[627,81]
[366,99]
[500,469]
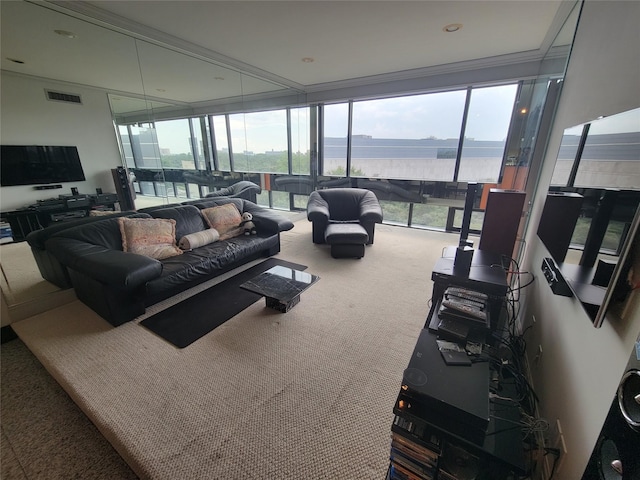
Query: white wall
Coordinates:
[580,367]
[28,118]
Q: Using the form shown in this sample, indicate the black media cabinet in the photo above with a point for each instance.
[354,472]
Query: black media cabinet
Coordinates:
[45,212]
[448,423]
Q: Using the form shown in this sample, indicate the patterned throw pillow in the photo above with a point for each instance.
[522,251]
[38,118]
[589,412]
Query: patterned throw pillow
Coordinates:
[225,219]
[152,237]
[199,239]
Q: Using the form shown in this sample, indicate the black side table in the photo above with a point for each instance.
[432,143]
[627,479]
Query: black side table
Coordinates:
[488,275]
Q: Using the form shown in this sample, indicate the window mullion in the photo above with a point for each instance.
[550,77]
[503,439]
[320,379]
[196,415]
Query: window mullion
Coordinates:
[349,133]
[576,162]
[463,127]
[229,144]
[289,143]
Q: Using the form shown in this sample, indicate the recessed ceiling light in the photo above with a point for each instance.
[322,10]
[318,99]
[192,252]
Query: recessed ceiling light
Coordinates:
[452,27]
[308,60]
[65,33]
[15,60]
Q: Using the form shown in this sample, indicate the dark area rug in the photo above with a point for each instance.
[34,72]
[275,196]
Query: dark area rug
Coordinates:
[187,321]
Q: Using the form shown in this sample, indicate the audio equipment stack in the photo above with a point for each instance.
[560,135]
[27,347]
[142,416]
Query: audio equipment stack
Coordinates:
[445,424]
[616,455]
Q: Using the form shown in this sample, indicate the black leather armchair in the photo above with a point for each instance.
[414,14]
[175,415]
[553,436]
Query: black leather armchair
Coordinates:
[343,205]
[243,189]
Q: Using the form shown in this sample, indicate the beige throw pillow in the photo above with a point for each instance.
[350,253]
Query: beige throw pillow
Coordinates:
[100,213]
[225,219]
[152,237]
[199,239]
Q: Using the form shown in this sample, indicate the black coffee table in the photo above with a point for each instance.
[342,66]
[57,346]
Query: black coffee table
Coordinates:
[281,286]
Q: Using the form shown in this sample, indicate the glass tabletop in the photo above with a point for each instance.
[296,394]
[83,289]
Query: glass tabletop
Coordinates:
[281,283]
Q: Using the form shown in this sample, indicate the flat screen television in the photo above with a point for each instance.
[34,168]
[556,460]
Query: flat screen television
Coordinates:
[34,165]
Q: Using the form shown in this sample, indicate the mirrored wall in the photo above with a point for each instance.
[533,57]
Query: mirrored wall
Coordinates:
[590,220]
[177,137]
[262,132]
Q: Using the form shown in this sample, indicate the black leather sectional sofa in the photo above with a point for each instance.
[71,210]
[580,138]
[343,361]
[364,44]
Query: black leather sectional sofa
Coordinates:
[119,285]
[50,268]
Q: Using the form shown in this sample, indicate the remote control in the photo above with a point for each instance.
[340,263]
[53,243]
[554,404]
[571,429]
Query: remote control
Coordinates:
[465,309]
[466,294]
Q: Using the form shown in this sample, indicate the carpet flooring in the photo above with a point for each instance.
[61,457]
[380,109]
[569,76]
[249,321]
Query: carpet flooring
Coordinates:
[302,395]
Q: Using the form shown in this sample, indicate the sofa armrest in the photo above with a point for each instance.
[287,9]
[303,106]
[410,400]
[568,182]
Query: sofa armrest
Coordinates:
[370,209]
[317,209]
[267,220]
[120,269]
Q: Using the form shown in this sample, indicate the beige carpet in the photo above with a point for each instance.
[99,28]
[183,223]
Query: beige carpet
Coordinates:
[302,395]
[21,280]
[24,290]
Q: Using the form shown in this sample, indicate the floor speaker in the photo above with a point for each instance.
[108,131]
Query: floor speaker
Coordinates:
[616,455]
[124,190]
[501,221]
[558,220]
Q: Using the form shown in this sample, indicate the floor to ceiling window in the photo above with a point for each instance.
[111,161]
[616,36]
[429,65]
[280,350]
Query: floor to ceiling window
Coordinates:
[300,140]
[174,142]
[413,138]
[335,128]
[485,133]
[259,141]
[223,156]
[421,149]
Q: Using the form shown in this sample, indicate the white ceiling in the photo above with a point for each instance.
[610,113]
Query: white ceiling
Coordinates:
[265,40]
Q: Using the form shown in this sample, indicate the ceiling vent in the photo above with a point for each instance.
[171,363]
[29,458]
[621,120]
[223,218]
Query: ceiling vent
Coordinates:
[63,97]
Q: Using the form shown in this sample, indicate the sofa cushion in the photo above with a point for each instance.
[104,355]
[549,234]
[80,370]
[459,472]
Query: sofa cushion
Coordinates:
[152,237]
[225,219]
[196,266]
[187,217]
[199,239]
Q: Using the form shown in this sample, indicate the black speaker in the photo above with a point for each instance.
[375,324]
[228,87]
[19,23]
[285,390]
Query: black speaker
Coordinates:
[598,227]
[558,220]
[501,221]
[124,190]
[616,455]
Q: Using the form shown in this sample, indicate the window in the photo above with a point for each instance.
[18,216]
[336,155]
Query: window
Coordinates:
[567,155]
[219,123]
[485,135]
[174,141]
[300,144]
[259,142]
[198,144]
[144,144]
[429,216]
[413,137]
[335,132]
[127,149]
[611,153]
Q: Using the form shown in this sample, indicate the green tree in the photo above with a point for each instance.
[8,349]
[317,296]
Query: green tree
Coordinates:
[340,172]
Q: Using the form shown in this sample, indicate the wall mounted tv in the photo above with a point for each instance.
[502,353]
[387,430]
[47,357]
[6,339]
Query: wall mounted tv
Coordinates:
[34,165]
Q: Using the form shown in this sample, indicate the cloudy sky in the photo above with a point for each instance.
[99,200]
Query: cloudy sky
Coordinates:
[418,116]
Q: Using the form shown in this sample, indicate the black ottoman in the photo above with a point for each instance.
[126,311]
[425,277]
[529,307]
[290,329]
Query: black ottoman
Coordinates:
[346,239]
